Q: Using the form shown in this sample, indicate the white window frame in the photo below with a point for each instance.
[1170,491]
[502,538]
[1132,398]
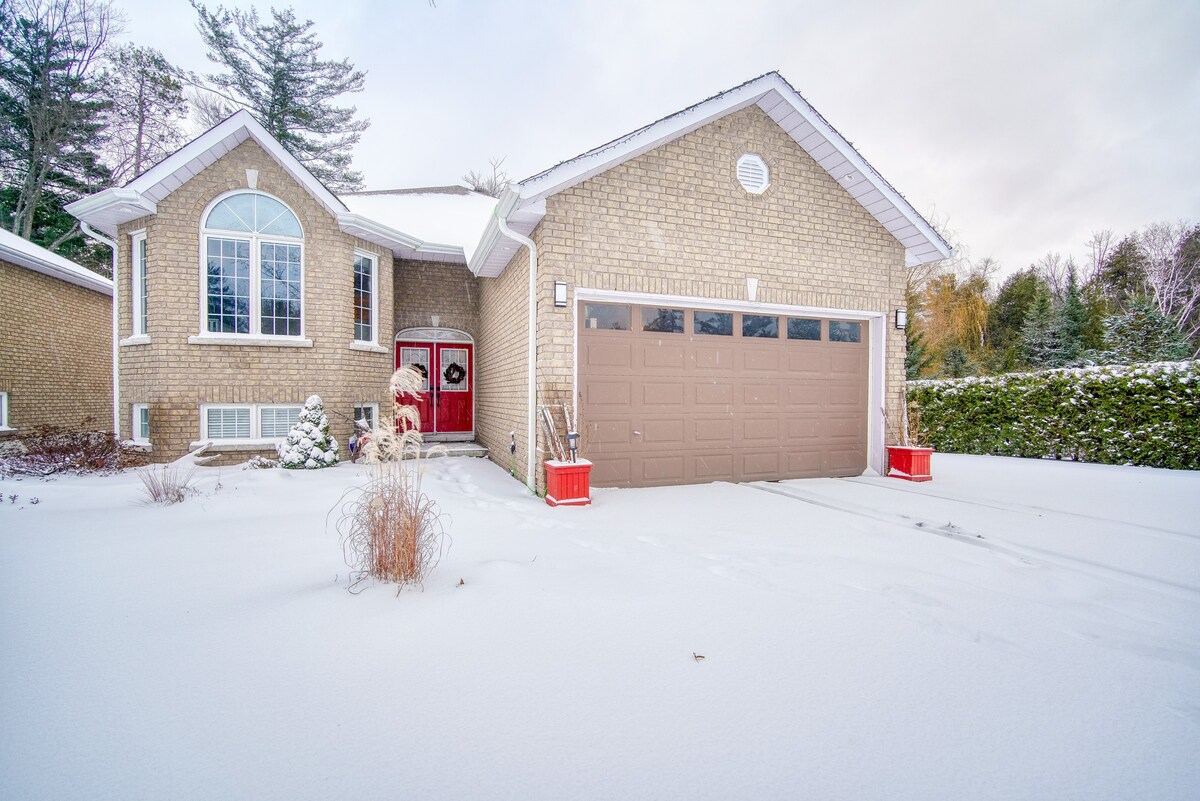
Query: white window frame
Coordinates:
[374,340]
[138,259]
[136,430]
[256,439]
[255,335]
[4,412]
[374,407]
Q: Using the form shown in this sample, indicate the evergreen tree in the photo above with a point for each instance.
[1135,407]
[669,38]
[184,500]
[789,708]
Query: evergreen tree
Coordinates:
[51,102]
[1123,275]
[272,69]
[146,109]
[1006,314]
[1070,319]
[1037,332]
[917,357]
[956,363]
[1143,334]
[308,444]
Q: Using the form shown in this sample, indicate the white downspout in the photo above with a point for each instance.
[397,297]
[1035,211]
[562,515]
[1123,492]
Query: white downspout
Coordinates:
[502,220]
[104,240]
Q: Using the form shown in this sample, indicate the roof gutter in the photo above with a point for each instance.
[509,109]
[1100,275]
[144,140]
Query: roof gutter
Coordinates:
[505,207]
[116,386]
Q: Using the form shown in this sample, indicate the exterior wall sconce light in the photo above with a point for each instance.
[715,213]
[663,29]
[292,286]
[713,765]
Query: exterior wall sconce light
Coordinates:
[901,318]
[560,294]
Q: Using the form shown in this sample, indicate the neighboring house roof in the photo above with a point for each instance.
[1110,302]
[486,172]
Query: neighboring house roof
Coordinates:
[24,253]
[525,204]
[447,214]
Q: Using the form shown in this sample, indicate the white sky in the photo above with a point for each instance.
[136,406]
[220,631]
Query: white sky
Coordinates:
[1023,125]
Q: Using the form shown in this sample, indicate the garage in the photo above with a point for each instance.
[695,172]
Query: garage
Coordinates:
[692,395]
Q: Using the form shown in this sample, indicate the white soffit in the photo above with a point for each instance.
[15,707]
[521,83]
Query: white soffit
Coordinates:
[112,207]
[776,97]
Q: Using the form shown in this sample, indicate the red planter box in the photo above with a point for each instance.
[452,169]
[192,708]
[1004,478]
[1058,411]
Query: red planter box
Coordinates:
[909,462]
[568,483]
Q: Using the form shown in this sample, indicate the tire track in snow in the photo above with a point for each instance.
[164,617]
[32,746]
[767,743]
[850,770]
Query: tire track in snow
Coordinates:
[1020,507]
[1029,554]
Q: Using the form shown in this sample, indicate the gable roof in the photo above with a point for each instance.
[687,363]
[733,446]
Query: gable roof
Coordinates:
[113,207]
[775,96]
[23,253]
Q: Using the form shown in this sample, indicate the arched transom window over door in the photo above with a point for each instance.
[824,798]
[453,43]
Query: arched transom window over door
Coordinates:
[253,256]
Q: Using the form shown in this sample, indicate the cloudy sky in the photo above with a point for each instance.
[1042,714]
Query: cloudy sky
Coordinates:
[1021,126]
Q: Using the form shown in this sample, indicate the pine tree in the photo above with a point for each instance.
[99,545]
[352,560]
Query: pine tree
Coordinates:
[1143,334]
[1070,320]
[272,69]
[51,102]
[146,108]
[955,362]
[1037,332]
[916,355]
[308,445]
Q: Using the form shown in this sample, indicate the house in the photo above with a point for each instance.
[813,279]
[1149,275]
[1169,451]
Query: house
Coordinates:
[720,290]
[55,342]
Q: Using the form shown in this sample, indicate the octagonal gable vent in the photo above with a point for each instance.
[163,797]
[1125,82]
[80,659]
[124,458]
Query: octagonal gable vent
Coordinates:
[752,174]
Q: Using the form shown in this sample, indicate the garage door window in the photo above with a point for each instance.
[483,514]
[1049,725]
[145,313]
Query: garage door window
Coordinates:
[802,328]
[759,325]
[606,316]
[841,331]
[662,321]
[713,323]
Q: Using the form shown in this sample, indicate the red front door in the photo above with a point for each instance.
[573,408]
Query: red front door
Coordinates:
[448,396]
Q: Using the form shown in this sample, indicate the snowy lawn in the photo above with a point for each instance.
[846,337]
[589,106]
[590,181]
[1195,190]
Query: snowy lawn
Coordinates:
[1013,629]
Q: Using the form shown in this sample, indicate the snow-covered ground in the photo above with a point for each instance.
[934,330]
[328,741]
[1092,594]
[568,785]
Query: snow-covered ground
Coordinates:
[1013,629]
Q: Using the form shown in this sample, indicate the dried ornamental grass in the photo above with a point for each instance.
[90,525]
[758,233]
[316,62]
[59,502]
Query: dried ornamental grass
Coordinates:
[390,529]
[167,484]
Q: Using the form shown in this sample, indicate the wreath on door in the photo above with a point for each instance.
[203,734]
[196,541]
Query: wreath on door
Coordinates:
[454,374]
[422,369]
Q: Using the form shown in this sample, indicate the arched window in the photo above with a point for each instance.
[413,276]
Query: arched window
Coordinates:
[253,248]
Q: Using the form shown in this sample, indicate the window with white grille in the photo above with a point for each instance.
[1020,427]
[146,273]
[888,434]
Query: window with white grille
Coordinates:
[227,422]
[277,421]
[753,174]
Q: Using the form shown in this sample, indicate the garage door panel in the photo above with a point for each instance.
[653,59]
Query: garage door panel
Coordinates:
[608,393]
[721,408]
[658,393]
[760,428]
[710,357]
[663,432]
[662,356]
[755,395]
[709,394]
[610,354]
[711,430]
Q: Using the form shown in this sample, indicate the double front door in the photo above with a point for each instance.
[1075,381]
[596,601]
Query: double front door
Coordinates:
[446,400]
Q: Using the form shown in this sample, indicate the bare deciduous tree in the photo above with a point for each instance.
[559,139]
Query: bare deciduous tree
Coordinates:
[488,184]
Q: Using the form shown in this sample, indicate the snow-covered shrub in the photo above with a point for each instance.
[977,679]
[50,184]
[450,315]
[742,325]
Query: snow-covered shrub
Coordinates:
[168,483]
[391,530]
[257,462]
[50,449]
[308,445]
[1142,414]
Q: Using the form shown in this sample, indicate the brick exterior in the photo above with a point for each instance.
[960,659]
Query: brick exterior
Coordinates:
[55,352]
[424,288]
[675,221]
[175,377]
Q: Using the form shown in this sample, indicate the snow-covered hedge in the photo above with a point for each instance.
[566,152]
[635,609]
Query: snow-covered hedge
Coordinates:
[1143,414]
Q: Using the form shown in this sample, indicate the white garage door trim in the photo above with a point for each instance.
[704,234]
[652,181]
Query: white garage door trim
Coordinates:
[877,360]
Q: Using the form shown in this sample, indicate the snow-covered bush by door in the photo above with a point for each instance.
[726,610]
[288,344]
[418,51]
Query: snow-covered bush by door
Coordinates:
[1142,414]
[308,445]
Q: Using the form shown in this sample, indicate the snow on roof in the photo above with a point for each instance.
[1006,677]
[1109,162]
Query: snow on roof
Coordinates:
[445,215]
[24,253]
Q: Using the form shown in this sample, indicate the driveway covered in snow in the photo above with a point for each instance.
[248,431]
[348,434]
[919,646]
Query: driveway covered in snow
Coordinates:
[1013,629]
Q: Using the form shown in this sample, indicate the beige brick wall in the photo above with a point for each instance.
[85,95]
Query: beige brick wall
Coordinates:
[675,221]
[424,288]
[175,377]
[55,352]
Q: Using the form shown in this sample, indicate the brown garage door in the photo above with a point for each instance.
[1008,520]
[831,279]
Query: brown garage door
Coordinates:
[684,396]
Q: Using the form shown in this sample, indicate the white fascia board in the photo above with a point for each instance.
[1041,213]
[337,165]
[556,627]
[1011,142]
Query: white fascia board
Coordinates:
[102,208]
[381,234]
[491,232]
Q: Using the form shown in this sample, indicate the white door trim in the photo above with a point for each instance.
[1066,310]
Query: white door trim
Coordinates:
[442,336]
[877,343]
